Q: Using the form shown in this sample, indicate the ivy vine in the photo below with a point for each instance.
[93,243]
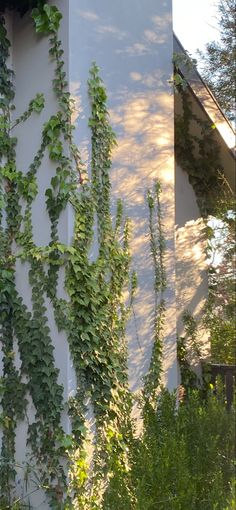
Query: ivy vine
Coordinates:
[29,327]
[157,246]
[95,313]
[197,154]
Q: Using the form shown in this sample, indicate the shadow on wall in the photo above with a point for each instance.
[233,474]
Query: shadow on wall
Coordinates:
[191,258]
[144,154]
[142,43]
[135,61]
[192,279]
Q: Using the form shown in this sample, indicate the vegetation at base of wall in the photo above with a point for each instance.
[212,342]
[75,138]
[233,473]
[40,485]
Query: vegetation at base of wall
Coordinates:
[125,471]
[185,457]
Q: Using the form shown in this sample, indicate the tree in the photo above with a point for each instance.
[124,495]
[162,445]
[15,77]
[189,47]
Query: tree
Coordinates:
[220,311]
[218,62]
[219,71]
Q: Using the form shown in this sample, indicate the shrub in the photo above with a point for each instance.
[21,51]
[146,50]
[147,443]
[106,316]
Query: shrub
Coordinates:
[183,461]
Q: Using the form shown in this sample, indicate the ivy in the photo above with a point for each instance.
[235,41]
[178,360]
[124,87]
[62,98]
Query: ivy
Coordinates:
[196,149]
[199,156]
[47,19]
[157,246]
[29,328]
[95,313]
[185,344]
[98,313]
[36,105]
[12,391]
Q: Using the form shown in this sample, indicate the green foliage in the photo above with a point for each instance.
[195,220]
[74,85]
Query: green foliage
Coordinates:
[185,456]
[36,105]
[17,323]
[46,18]
[95,314]
[187,345]
[126,473]
[220,309]
[12,389]
[219,312]
[222,337]
[198,155]
[157,248]
[189,63]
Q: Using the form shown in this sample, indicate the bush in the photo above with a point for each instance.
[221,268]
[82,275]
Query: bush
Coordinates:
[183,461]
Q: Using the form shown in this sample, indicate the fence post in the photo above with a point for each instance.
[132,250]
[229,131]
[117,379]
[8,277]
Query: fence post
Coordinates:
[228,376]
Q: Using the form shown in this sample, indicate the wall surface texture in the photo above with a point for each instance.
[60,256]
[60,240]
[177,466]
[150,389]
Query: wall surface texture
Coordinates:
[191,261]
[131,41]
[33,73]
[134,52]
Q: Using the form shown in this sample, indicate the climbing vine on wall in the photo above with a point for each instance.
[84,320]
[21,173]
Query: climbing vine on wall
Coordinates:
[157,246]
[79,470]
[98,312]
[187,345]
[197,153]
[28,327]
[11,381]
[95,313]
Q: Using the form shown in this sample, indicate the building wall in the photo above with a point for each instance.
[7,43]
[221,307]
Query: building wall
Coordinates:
[33,73]
[132,43]
[134,52]
[191,260]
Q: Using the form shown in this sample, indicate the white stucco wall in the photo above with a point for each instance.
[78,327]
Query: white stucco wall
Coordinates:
[132,43]
[33,73]
[30,59]
[191,260]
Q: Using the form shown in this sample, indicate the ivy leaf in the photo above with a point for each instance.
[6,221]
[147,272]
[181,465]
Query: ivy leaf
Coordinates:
[66,442]
[37,104]
[47,19]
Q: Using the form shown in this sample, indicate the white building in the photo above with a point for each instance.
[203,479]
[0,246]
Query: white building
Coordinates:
[132,43]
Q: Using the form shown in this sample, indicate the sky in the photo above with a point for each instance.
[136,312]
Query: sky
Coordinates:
[195,23]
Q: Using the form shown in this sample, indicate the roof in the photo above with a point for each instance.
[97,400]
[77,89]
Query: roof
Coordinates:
[206,100]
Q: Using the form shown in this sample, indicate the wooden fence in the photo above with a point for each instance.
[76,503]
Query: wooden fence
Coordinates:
[228,375]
